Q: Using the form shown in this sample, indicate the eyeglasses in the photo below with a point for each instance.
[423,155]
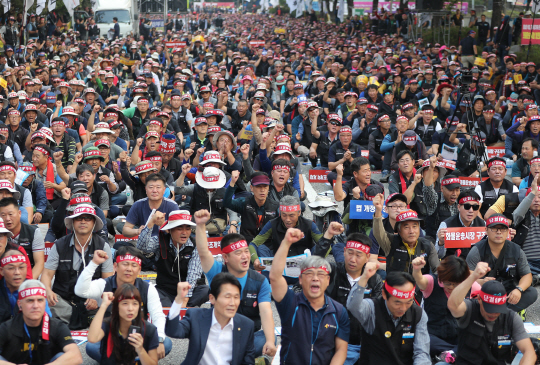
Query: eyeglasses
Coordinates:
[311,274]
[468,206]
[397,207]
[500,229]
[450,284]
[86,218]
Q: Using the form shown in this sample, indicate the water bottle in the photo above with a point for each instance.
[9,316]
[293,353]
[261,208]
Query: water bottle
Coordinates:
[129,194]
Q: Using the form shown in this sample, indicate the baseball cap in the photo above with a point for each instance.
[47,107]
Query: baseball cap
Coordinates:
[493,296]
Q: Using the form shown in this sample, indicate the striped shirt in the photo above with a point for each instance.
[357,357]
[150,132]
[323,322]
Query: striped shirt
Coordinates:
[68,158]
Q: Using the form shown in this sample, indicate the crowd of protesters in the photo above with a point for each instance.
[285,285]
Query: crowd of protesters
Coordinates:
[193,145]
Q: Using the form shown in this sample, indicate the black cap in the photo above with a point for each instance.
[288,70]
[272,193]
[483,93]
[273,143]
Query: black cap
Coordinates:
[372,191]
[148,74]
[77,186]
[493,296]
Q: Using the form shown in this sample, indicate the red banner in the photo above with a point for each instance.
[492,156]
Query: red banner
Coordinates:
[48,246]
[257,43]
[214,245]
[463,237]
[176,44]
[121,238]
[447,164]
[470,182]
[182,312]
[528,31]
[219,5]
[318,176]
[495,152]
[364,153]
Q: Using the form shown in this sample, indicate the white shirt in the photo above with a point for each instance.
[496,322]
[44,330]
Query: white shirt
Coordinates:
[219,345]
[93,289]
[351,280]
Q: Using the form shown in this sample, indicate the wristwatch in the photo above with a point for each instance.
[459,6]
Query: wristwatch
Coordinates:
[519,288]
[234,224]
[161,339]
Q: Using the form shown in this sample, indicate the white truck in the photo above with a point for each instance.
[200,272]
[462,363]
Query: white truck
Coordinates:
[125,10]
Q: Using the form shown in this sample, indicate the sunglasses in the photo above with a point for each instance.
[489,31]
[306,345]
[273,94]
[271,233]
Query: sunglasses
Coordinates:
[333,122]
[468,206]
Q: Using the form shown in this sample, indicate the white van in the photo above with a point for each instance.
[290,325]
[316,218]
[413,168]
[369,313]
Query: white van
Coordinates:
[124,10]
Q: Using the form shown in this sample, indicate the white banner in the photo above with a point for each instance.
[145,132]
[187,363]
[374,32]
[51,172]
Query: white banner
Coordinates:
[6,4]
[300,9]
[70,6]
[40,6]
[292,4]
[27,5]
[52,5]
[341,10]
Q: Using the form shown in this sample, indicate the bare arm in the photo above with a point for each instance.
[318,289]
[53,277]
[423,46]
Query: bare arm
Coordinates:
[277,281]
[207,259]
[341,352]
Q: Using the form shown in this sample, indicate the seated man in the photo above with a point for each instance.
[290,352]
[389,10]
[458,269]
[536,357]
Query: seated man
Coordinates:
[485,317]
[177,258]
[50,339]
[27,236]
[312,308]
[141,209]
[509,266]
[67,259]
[71,198]
[255,291]
[266,243]
[204,326]
[127,268]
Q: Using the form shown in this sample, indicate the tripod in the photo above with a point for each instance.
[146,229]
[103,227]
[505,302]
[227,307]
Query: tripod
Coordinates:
[480,150]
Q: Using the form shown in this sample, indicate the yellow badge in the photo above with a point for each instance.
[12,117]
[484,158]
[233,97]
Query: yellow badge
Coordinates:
[387,334]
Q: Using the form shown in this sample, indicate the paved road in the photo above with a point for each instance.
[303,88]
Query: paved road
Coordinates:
[179,350]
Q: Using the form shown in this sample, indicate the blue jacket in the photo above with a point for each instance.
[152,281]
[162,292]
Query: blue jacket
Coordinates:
[308,349]
[196,326]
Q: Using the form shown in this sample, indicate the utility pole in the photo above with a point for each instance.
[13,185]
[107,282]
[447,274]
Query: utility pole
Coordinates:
[164,16]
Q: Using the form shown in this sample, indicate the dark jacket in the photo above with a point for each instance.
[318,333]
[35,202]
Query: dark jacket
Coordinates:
[196,326]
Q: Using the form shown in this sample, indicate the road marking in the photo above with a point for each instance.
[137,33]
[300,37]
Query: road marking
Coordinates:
[310,192]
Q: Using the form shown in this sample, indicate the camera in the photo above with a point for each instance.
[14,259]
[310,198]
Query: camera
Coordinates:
[465,80]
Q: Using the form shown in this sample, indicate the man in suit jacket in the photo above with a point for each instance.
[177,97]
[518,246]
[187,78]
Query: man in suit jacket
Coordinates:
[215,335]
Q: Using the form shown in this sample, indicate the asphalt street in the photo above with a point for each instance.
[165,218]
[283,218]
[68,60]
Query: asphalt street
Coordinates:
[180,347]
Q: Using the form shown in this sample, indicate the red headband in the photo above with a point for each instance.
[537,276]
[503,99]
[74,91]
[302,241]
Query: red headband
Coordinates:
[176,217]
[497,163]
[154,158]
[281,167]
[345,130]
[358,246]
[467,199]
[289,208]
[409,139]
[496,220]
[398,293]
[128,257]
[42,150]
[453,180]
[80,200]
[144,166]
[235,246]
[316,268]
[30,292]
[8,168]
[12,260]
[27,168]
[91,153]
[492,299]
[428,111]
[57,122]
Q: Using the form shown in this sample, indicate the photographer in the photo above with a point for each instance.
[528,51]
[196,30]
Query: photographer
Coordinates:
[125,336]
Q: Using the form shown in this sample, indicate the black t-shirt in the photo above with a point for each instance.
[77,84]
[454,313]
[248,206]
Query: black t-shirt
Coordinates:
[236,119]
[15,343]
[483,29]
[467,44]
[150,335]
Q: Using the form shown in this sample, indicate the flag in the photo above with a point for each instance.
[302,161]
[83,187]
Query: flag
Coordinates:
[324,7]
[40,6]
[292,4]
[27,5]
[300,9]
[52,5]
[341,10]
[6,4]
[70,6]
